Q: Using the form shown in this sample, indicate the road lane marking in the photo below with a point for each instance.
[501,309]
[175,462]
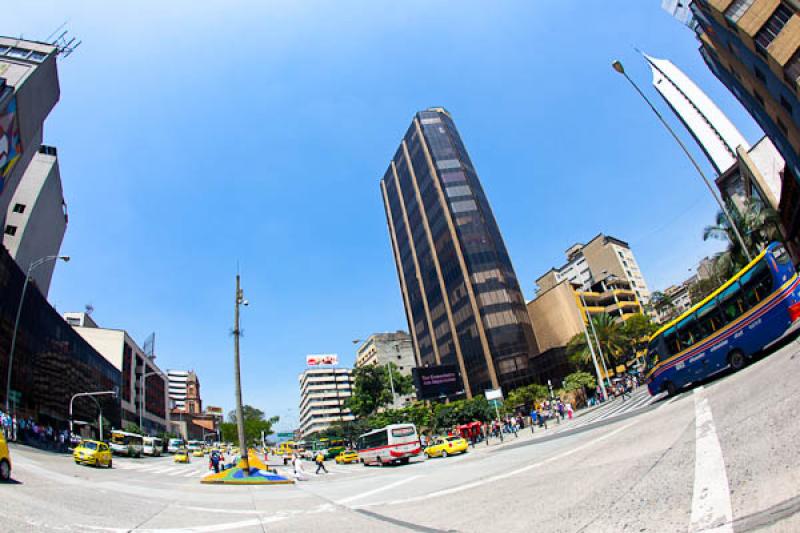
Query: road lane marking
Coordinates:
[375,491]
[711,498]
[498,477]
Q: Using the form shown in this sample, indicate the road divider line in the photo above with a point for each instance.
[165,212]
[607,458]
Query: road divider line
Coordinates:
[711,497]
[376,491]
[498,477]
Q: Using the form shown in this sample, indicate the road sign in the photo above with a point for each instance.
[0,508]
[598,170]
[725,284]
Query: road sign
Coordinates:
[285,435]
[493,394]
[14,396]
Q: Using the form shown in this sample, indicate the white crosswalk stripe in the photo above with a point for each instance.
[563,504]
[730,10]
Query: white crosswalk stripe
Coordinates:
[639,399]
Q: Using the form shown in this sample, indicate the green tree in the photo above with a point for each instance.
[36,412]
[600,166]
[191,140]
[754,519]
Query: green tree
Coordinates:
[580,381]
[758,224]
[372,388]
[130,427]
[254,424]
[662,303]
[636,331]
[526,396]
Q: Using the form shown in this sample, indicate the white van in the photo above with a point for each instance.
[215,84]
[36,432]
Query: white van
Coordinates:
[173,445]
[152,446]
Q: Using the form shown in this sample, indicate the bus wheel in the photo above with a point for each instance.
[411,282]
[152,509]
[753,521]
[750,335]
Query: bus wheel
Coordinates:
[671,389]
[736,360]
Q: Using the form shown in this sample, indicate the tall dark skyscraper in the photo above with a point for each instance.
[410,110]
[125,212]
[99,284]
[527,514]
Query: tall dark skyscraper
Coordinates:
[462,299]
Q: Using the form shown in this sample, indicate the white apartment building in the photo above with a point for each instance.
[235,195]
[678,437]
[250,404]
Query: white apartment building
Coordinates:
[36,219]
[322,395]
[123,352]
[177,387]
[602,257]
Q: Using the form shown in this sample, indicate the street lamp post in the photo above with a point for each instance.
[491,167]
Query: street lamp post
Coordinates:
[34,265]
[240,300]
[144,377]
[617,65]
[92,396]
[591,350]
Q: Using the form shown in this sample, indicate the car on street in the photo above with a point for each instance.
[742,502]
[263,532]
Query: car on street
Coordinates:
[5,459]
[347,457]
[181,456]
[198,453]
[444,446]
[92,452]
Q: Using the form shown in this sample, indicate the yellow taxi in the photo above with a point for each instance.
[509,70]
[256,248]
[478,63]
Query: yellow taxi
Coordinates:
[5,459]
[198,453]
[181,456]
[347,457]
[92,452]
[444,446]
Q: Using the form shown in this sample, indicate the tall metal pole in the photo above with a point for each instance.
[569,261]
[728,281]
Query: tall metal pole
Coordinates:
[619,68]
[596,340]
[238,376]
[31,268]
[594,357]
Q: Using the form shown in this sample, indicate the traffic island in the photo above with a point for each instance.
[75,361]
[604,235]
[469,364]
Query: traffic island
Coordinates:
[259,474]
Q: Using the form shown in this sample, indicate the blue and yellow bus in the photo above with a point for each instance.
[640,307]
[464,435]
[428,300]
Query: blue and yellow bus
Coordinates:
[748,312]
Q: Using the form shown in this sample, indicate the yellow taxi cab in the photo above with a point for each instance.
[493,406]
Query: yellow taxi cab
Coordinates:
[92,452]
[444,446]
[198,453]
[182,456]
[5,459]
[347,457]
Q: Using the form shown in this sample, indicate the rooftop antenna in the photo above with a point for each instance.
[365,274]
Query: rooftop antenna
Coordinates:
[89,309]
[65,44]
[47,40]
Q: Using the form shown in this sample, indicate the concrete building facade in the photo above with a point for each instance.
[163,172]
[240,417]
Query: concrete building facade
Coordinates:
[177,388]
[118,348]
[600,260]
[29,90]
[461,296]
[383,348]
[37,219]
[755,175]
[322,395]
[753,47]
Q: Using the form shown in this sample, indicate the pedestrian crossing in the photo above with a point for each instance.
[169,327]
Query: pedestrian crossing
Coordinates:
[639,399]
[163,468]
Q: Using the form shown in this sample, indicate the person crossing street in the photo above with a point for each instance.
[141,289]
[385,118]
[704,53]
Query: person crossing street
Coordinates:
[320,460]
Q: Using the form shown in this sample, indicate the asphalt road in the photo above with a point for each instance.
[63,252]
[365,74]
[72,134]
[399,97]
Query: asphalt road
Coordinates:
[722,456]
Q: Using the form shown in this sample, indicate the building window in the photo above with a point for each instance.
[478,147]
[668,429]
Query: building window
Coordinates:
[736,10]
[19,208]
[792,70]
[11,230]
[772,27]
[760,75]
[759,98]
[18,52]
[786,105]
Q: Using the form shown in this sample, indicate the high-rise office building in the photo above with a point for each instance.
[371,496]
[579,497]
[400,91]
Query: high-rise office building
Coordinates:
[323,391]
[37,218]
[28,92]
[462,299]
[753,47]
[709,126]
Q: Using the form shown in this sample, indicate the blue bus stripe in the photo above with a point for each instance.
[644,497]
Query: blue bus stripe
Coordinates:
[760,310]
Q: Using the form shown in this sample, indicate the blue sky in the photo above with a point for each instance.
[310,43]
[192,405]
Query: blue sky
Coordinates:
[195,135]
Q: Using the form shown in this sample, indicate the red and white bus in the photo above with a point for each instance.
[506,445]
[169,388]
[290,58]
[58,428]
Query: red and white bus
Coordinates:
[395,443]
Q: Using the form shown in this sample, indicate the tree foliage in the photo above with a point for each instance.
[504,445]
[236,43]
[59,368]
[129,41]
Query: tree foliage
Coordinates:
[254,424]
[526,396]
[372,388]
[619,341]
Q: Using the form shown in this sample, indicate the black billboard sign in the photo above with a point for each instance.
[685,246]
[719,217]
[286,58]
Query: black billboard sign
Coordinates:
[436,381]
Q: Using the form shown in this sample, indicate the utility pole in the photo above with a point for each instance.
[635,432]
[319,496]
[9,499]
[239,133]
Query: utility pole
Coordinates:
[237,373]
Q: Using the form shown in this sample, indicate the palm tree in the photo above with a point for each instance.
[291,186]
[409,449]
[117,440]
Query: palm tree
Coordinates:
[758,224]
[610,335]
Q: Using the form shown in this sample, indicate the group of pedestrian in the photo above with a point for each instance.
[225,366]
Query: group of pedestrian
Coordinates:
[29,431]
[216,461]
[554,410]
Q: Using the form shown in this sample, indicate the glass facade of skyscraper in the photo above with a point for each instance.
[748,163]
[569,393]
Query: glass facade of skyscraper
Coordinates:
[462,298]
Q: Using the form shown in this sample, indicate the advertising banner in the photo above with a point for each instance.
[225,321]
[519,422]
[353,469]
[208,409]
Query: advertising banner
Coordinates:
[437,381]
[322,359]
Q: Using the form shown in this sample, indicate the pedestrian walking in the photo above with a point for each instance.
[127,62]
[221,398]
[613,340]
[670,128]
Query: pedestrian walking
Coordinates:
[570,410]
[320,460]
[215,461]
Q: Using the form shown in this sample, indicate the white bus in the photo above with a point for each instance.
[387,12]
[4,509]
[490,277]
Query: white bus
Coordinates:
[152,446]
[124,443]
[173,445]
[395,443]
[194,445]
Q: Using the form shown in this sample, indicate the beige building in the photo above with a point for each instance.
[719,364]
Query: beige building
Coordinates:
[600,260]
[122,351]
[556,316]
[383,348]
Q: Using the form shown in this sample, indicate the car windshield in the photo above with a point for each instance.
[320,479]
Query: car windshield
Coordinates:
[451,439]
[89,445]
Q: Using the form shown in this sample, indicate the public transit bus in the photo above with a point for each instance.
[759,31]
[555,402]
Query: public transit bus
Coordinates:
[395,443]
[747,313]
[124,443]
[173,445]
[152,446]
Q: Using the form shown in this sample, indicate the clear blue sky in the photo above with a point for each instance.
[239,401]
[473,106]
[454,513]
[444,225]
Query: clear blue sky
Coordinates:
[193,135]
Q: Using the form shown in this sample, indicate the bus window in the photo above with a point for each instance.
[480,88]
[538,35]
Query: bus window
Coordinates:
[757,287]
[708,320]
[671,342]
[730,303]
[780,255]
